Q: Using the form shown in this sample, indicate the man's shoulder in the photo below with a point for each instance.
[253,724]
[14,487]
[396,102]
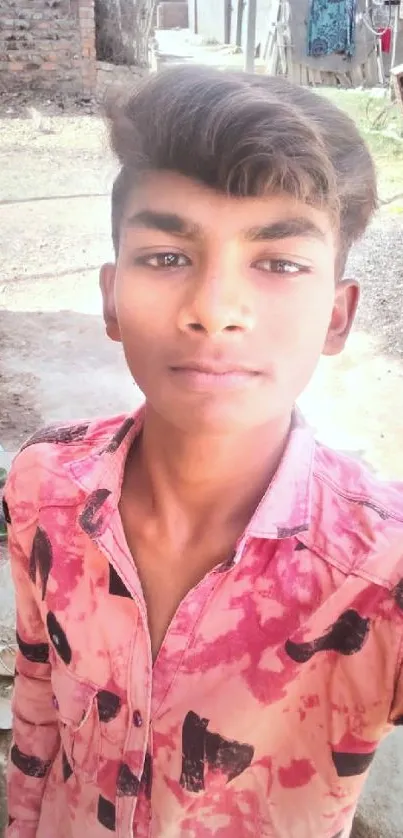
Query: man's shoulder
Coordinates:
[78,437]
[39,469]
[354,481]
[357,518]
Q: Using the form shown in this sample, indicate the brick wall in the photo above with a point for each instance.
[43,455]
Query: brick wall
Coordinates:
[172,14]
[47,44]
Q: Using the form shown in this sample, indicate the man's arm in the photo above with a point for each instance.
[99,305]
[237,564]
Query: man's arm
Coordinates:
[35,731]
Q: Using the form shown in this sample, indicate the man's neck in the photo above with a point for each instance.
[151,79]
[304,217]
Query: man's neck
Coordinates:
[187,479]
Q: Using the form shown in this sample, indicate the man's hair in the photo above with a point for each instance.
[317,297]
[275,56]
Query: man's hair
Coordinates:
[244,135]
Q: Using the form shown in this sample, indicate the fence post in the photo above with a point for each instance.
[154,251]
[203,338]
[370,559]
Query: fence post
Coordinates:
[250,36]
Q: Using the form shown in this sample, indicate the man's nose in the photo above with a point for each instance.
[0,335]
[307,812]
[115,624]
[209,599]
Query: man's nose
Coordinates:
[217,302]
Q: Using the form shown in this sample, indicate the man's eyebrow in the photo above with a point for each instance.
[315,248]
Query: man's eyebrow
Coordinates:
[287,229]
[164,222]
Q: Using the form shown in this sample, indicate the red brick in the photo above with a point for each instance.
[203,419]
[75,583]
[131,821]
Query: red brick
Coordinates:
[61,42]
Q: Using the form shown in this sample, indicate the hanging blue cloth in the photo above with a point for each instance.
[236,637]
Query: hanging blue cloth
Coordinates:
[331,27]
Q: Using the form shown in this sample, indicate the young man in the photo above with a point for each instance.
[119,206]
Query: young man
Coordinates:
[210,604]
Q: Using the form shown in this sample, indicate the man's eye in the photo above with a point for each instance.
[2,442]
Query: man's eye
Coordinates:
[164,260]
[281,266]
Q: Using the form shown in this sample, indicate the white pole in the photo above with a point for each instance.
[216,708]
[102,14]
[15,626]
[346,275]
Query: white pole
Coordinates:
[395,37]
[394,51]
[250,36]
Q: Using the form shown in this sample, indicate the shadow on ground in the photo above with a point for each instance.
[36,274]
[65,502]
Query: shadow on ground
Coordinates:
[57,366]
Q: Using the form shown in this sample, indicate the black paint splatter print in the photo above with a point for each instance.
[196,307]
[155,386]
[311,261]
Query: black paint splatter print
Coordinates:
[351,765]
[33,652]
[108,705]
[88,520]
[346,636]
[289,532]
[116,586]
[6,511]
[41,558]
[398,594]
[106,813]
[300,546]
[128,784]
[66,767]
[63,435]
[230,757]
[147,776]
[120,435]
[193,752]
[200,746]
[29,765]
[58,638]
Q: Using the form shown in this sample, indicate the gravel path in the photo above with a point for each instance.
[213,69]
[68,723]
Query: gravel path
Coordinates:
[378,263]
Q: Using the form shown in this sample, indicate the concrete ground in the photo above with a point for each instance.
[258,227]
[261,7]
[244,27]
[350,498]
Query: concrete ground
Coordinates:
[56,363]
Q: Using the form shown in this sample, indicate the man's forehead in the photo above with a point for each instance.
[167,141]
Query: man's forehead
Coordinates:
[174,204]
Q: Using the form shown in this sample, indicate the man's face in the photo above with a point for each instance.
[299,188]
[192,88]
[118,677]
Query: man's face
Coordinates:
[223,304]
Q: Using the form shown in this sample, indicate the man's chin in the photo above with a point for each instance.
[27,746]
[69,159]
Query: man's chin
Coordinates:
[220,417]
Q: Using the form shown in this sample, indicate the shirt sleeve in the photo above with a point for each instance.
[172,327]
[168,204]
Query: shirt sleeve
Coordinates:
[35,734]
[396,711]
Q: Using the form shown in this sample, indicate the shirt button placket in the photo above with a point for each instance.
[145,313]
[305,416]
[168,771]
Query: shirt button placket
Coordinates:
[137,719]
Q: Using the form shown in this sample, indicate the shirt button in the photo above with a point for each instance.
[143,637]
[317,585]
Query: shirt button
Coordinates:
[137,719]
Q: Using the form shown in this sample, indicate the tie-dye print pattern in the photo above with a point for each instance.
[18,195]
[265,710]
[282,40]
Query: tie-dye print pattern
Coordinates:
[278,677]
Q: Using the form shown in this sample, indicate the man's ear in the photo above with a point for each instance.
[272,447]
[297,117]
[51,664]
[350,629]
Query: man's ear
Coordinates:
[107,284]
[344,309]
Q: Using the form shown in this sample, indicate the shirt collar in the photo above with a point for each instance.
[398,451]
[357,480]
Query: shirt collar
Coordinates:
[284,511]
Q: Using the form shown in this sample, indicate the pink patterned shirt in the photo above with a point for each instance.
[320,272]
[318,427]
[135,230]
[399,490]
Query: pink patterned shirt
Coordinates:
[278,676]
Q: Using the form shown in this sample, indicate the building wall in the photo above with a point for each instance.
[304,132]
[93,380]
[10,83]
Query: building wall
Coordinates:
[210,16]
[47,44]
[262,17]
[172,14]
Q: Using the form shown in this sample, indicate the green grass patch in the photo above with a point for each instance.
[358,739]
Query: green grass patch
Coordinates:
[376,120]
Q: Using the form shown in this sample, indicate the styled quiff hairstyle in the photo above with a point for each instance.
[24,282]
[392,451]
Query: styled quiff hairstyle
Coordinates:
[244,135]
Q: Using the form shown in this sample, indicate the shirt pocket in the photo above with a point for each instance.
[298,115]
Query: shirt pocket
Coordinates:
[75,702]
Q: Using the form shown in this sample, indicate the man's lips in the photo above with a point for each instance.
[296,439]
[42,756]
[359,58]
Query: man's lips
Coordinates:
[208,376]
[224,368]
